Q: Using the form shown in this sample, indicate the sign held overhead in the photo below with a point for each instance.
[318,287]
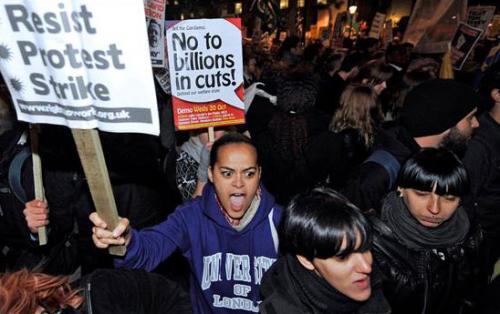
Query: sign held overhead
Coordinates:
[78,65]
[206,72]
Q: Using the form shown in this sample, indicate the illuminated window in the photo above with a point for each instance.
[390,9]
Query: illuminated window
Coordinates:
[322,1]
[238,8]
[300,3]
[283,4]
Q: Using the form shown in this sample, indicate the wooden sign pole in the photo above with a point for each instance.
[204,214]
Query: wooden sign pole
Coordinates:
[37,178]
[211,134]
[92,158]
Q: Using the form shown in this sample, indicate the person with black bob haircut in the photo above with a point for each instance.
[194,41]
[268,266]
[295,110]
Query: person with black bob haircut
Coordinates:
[424,242]
[326,266]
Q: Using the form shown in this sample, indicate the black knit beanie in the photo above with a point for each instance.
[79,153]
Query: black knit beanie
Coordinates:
[435,106]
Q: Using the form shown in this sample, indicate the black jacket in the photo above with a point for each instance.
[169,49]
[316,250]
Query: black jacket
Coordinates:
[330,90]
[131,291]
[283,292]
[14,232]
[429,280]
[355,151]
[482,161]
[367,188]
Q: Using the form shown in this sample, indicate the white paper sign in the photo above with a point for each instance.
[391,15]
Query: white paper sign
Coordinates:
[206,72]
[155,16]
[204,57]
[81,63]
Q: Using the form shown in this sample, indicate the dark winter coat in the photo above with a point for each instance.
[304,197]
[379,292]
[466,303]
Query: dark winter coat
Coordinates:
[482,161]
[355,151]
[368,187]
[428,280]
[131,291]
[284,292]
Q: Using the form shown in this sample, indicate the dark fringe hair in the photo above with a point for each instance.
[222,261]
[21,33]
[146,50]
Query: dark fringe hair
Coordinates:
[433,166]
[316,223]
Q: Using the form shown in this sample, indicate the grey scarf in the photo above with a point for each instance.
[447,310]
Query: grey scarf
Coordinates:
[416,236]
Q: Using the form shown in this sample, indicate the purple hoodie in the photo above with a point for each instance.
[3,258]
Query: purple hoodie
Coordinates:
[226,265]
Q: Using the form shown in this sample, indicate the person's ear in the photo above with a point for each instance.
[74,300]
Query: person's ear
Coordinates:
[400,191]
[305,262]
[210,174]
[260,172]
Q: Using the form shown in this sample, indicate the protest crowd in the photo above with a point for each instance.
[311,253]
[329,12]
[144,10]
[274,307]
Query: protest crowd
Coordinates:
[362,181]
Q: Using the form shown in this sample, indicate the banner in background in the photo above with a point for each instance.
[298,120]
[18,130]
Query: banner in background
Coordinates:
[206,72]
[462,44]
[155,16]
[83,64]
[377,25]
[480,16]
[433,23]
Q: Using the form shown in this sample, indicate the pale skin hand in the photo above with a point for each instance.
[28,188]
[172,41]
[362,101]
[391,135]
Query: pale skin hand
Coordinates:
[36,214]
[103,237]
[198,191]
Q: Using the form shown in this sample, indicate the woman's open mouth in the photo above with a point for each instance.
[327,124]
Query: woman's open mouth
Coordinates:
[236,200]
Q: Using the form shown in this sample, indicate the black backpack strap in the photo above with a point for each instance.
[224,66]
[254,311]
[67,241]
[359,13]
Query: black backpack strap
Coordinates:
[389,162]
[15,174]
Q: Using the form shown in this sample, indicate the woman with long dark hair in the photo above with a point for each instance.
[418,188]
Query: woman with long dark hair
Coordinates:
[295,146]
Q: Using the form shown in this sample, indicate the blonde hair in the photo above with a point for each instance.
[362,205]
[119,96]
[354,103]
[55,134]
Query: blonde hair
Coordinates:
[356,105]
[24,292]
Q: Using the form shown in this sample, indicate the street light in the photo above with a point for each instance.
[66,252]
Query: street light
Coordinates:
[352,9]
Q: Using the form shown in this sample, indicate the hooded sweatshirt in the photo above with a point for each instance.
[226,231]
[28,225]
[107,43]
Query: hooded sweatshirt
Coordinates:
[226,265]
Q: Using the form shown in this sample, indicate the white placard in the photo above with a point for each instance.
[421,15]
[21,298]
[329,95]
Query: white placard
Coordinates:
[83,64]
[155,16]
[206,72]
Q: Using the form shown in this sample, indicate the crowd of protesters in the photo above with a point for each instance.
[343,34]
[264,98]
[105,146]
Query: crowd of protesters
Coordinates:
[360,183]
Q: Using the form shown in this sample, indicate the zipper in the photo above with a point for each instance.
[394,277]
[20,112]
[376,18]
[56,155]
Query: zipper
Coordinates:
[88,299]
